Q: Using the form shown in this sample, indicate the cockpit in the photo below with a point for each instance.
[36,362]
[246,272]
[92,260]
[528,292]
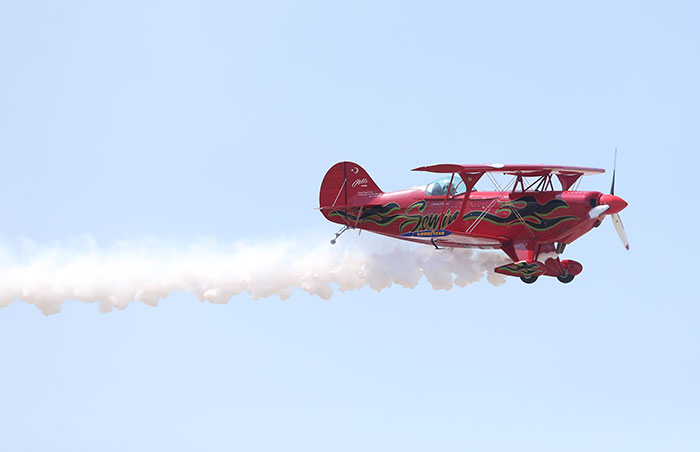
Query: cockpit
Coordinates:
[442,185]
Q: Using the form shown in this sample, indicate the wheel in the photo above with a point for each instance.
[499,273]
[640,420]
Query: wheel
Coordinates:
[565,277]
[528,279]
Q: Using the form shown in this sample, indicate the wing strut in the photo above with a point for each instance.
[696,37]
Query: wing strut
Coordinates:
[522,221]
[470,180]
[493,201]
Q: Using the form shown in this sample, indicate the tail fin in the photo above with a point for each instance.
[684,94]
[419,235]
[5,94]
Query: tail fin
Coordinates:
[347,184]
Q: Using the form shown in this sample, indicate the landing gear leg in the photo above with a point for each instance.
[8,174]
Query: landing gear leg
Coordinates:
[528,279]
[338,234]
[565,277]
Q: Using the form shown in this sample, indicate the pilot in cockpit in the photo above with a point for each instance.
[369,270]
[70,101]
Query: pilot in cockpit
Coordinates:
[440,187]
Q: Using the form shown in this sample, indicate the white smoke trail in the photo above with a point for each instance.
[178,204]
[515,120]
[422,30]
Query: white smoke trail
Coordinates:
[148,271]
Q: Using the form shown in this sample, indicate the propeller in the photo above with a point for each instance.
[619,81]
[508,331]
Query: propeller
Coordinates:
[611,205]
[612,186]
[617,221]
[620,229]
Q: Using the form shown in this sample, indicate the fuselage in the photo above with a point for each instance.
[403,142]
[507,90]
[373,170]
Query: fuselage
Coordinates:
[485,220]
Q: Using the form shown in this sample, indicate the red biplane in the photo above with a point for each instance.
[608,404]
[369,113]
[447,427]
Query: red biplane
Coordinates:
[527,218]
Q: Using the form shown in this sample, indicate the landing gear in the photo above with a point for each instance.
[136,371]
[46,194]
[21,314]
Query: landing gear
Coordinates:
[337,234]
[528,279]
[565,277]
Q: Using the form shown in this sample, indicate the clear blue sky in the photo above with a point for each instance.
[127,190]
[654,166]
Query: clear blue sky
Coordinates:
[176,120]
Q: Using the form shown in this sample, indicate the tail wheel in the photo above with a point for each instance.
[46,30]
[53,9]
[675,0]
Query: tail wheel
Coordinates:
[530,279]
[565,277]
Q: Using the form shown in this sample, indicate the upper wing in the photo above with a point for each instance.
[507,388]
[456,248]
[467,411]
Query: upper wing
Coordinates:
[567,175]
[523,170]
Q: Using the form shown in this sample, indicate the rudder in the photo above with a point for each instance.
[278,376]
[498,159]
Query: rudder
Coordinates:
[347,184]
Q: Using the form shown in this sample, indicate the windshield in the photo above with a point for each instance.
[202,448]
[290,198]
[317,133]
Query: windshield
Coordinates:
[440,186]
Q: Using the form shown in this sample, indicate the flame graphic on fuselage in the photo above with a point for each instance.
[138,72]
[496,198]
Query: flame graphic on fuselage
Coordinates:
[413,217]
[532,212]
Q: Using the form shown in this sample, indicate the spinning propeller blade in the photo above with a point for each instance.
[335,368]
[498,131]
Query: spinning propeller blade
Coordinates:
[617,221]
[620,229]
[612,186]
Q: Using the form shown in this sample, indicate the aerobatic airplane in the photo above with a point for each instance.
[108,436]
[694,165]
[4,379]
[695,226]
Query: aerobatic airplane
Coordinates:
[528,219]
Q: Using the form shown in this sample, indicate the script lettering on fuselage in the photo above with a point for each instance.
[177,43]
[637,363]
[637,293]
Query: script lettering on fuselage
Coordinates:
[419,221]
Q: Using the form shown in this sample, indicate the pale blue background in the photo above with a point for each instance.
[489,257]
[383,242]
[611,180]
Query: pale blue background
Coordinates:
[123,120]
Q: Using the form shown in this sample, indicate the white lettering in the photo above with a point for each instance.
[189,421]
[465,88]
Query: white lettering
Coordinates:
[361,182]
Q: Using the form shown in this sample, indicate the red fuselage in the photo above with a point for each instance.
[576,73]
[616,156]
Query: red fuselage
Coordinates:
[487,220]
